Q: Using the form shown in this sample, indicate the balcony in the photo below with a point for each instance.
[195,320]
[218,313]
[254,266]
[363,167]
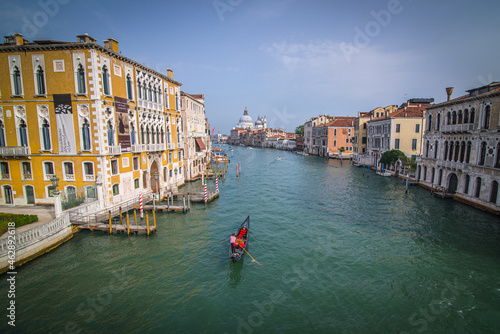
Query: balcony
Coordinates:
[15,151]
[88,177]
[155,147]
[194,134]
[49,176]
[171,146]
[454,165]
[27,176]
[138,148]
[115,150]
[69,177]
[5,176]
[456,128]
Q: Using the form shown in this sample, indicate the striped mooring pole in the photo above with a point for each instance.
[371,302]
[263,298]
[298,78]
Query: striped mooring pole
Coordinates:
[140,206]
[205,189]
[216,184]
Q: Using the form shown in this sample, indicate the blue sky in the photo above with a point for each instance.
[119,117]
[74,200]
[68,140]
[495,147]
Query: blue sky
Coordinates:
[289,60]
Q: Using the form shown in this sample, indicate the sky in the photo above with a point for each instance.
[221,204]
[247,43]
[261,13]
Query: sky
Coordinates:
[288,60]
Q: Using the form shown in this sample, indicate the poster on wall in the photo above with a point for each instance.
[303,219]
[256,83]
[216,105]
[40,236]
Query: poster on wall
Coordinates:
[64,121]
[122,123]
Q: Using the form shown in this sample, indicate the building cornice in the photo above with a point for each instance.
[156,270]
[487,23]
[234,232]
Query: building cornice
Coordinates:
[464,100]
[83,46]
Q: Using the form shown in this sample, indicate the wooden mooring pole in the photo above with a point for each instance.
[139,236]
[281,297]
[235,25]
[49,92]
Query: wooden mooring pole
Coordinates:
[128,226]
[110,222]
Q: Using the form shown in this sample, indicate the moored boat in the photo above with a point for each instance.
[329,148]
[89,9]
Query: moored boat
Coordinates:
[235,252]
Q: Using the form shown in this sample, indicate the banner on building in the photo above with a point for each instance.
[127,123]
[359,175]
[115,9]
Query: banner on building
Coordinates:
[65,125]
[123,123]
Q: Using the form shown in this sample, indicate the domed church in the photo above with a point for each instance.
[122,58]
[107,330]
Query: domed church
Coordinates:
[247,123]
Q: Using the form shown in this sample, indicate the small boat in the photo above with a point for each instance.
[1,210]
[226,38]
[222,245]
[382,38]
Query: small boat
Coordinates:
[235,253]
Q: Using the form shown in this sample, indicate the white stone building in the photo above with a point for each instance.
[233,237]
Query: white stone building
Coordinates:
[196,134]
[461,153]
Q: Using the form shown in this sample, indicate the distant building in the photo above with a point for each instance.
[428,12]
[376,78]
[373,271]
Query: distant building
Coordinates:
[334,138]
[461,152]
[308,131]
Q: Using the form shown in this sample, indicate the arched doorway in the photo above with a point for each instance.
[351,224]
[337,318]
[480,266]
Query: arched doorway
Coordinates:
[154,177]
[453,183]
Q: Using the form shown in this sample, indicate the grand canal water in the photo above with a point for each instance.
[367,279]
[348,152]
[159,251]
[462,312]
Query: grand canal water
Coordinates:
[341,252]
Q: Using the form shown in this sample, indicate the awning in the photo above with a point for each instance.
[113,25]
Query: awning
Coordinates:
[200,144]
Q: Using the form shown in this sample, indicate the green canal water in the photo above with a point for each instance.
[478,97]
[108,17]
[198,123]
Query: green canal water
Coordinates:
[341,252]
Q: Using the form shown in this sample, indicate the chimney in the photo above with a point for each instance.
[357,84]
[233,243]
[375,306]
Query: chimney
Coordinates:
[449,91]
[170,73]
[85,38]
[111,44]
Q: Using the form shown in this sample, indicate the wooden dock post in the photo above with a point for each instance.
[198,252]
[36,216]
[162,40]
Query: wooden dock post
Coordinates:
[110,226]
[183,203]
[147,222]
[154,218]
[121,216]
[128,226]
[135,217]
[168,203]
[189,202]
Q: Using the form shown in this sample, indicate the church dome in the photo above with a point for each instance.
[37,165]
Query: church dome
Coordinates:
[245,120]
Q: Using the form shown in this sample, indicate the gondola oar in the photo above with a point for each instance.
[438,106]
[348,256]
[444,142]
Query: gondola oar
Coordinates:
[251,256]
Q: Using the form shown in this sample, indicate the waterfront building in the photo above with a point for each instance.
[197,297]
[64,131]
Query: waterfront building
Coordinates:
[308,130]
[334,138]
[106,125]
[400,130]
[461,152]
[196,135]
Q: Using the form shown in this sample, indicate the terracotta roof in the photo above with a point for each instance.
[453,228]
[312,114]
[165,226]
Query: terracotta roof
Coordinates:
[410,111]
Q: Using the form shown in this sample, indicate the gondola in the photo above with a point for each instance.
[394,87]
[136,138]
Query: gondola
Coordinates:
[235,253]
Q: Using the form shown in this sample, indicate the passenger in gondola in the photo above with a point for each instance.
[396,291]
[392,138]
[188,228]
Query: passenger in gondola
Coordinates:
[232,240]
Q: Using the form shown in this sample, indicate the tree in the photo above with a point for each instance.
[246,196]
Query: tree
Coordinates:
[390,157]
[342,149]
[299,131]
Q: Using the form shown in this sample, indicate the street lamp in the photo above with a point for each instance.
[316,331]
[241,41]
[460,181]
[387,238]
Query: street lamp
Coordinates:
[55,183]
[57,196]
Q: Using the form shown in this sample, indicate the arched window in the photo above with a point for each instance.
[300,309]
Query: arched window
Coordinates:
[457,150]
[454,117]
[482,154]
[80,79]
[46,135]
[2,134]
[419,173]
[154,95]
[466,116]
[86,135]
[132,133]
[478,187]
[450,156]
[494,192]
[157,134]
[467,155]
[16,78]
[445,156]
[129,87]
[438,122]
[497,162]
[71,192]
[448,118]
[153,135]
[425,173]
[467,183]
[472,115]
[162,136]
[440,177]
[23,133]
[40,81]
[139,89]
[150,97]
[487,114]
[460,116]
[462,151]
[429,126]
[436,149]
[111,137]
[144,91]
[147,134]
[433,174]
[427,148]
[142,134]
[176,101]
[105,80]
